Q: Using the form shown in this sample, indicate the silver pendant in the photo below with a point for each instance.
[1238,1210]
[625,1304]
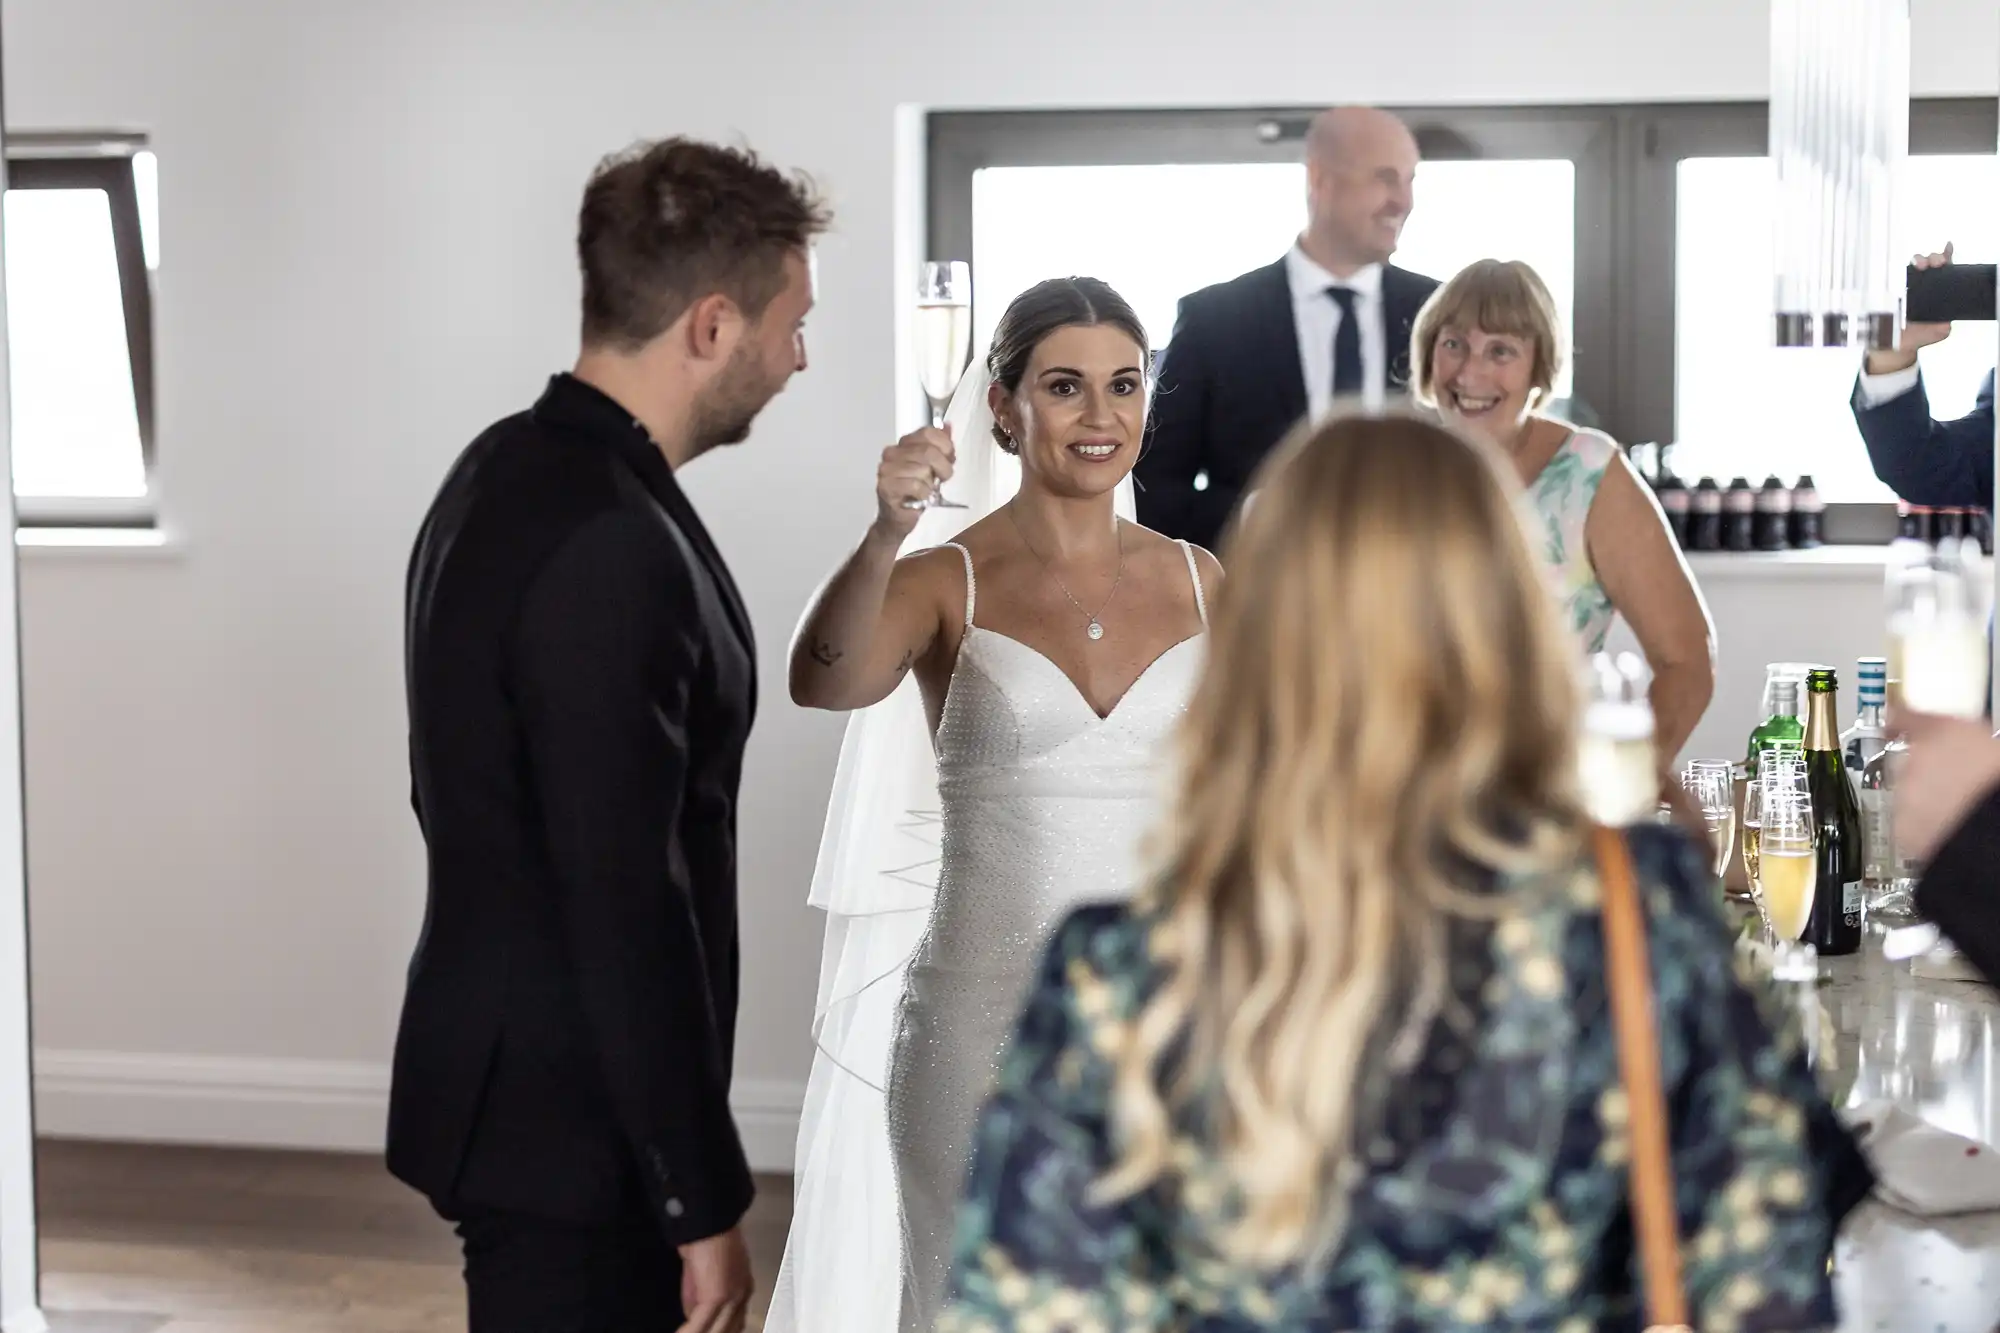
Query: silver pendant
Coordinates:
[1096,631]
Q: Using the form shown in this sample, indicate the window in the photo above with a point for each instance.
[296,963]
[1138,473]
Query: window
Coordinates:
[1646,221]
[1735,396]
[81,232]
[1026,227]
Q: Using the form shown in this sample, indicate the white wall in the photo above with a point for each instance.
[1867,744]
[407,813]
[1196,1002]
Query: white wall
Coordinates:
[365,257]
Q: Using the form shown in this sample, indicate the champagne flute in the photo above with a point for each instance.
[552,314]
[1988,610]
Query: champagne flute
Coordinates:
[1710,784]
[1618,773]
[944,340]
[1937,629]
[1751,840]
[1788,870]
[1780,773]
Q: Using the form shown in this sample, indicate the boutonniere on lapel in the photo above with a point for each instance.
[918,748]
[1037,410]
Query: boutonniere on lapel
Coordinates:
[1399,367]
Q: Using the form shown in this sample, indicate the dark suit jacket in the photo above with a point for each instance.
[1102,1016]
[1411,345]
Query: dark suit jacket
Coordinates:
[1231,386]
[1957,890]
[581,685]
[1940,464]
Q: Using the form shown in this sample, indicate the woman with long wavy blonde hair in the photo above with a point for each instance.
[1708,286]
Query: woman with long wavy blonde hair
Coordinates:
[1345,1061]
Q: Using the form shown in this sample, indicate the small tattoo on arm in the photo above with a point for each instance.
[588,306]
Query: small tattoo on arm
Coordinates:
[825,653]
[903,666]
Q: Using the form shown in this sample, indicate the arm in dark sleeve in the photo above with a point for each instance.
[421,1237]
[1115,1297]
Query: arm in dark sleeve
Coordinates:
[1177,449]
[1925,461]
[1960,888]
[606,651]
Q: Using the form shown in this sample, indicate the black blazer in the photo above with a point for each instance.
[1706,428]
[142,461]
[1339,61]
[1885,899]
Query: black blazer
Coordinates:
[1934,463]
[1956,888]
[1231,385]
[581,685]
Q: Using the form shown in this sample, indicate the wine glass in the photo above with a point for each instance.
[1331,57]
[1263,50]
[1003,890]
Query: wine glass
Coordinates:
[1787,870]
[1750,839]
[1617,771]
[1937,628]
[1711,785]
[944,339]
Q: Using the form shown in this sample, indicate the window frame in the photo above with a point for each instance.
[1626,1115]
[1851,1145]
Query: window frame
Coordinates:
[101,162]
[1627,158]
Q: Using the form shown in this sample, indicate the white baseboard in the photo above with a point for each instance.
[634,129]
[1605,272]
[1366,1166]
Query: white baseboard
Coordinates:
[27,1320]
[767,1117]
[340,1106]
[330,1105]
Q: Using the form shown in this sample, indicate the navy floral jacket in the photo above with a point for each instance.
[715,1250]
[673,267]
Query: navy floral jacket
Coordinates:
[1493,1190]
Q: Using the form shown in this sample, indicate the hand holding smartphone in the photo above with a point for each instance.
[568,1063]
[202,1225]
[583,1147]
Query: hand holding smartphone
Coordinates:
[1948,293]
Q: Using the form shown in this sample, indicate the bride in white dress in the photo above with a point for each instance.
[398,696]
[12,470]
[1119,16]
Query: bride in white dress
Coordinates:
[1053,645]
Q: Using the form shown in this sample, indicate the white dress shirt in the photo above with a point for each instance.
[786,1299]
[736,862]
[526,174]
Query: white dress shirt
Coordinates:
[1879,389]
[1318,317]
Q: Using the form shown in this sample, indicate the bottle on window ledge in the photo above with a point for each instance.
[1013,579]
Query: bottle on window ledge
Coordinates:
[1906,523]
[1674,501]
[1979,527]
[1808,516]
[1647,461]
[1947,524]
[1739,516]
[1705,517]
[1772,529]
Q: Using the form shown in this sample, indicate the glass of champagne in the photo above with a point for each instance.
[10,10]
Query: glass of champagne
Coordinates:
[1783,772]
[1750,840]
[944,340]
[1617,768]
[1937,628]
[1787,869]
[1710,784]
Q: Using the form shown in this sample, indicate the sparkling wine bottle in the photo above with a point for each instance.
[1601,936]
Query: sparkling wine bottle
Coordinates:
[1838,902]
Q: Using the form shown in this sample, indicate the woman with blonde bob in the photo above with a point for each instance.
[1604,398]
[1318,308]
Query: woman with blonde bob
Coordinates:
[1346,1062]
[1485,352]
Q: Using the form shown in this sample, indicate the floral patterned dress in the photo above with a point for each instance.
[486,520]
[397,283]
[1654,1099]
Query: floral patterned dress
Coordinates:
[1492,1193]
[1562,494]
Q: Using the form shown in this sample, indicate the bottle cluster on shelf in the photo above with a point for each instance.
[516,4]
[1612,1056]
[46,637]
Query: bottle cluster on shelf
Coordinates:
[1776,516]
[1742,517]
[1935,525]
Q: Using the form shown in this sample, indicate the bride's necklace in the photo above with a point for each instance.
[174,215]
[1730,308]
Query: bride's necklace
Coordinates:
[1094,629]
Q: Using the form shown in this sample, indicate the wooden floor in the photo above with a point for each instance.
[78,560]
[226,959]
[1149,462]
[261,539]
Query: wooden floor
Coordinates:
[142,1239]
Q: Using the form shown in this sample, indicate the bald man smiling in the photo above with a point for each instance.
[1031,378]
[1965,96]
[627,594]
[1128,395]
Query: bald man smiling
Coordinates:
[1329,321]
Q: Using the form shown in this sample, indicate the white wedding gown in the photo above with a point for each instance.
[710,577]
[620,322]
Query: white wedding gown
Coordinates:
[1044,807]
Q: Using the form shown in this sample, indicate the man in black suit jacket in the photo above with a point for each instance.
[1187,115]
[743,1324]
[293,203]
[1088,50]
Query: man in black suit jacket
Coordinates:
[1250,357]
[1939,464]
[581,684]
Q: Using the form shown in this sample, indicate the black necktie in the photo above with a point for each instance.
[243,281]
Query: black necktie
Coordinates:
[1346,345]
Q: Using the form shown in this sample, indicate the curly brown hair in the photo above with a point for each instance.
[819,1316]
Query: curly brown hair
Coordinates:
[668,222]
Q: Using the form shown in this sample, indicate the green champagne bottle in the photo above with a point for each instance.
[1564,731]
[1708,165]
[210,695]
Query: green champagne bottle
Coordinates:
[1783,726]
[1834,926]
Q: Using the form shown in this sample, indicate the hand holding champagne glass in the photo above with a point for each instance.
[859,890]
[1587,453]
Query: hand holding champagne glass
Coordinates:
[944,340]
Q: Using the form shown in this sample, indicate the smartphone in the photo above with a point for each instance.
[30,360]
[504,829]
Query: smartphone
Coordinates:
[1950,293]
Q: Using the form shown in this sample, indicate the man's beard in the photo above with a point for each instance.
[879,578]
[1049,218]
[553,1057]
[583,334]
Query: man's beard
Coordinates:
[725,413]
